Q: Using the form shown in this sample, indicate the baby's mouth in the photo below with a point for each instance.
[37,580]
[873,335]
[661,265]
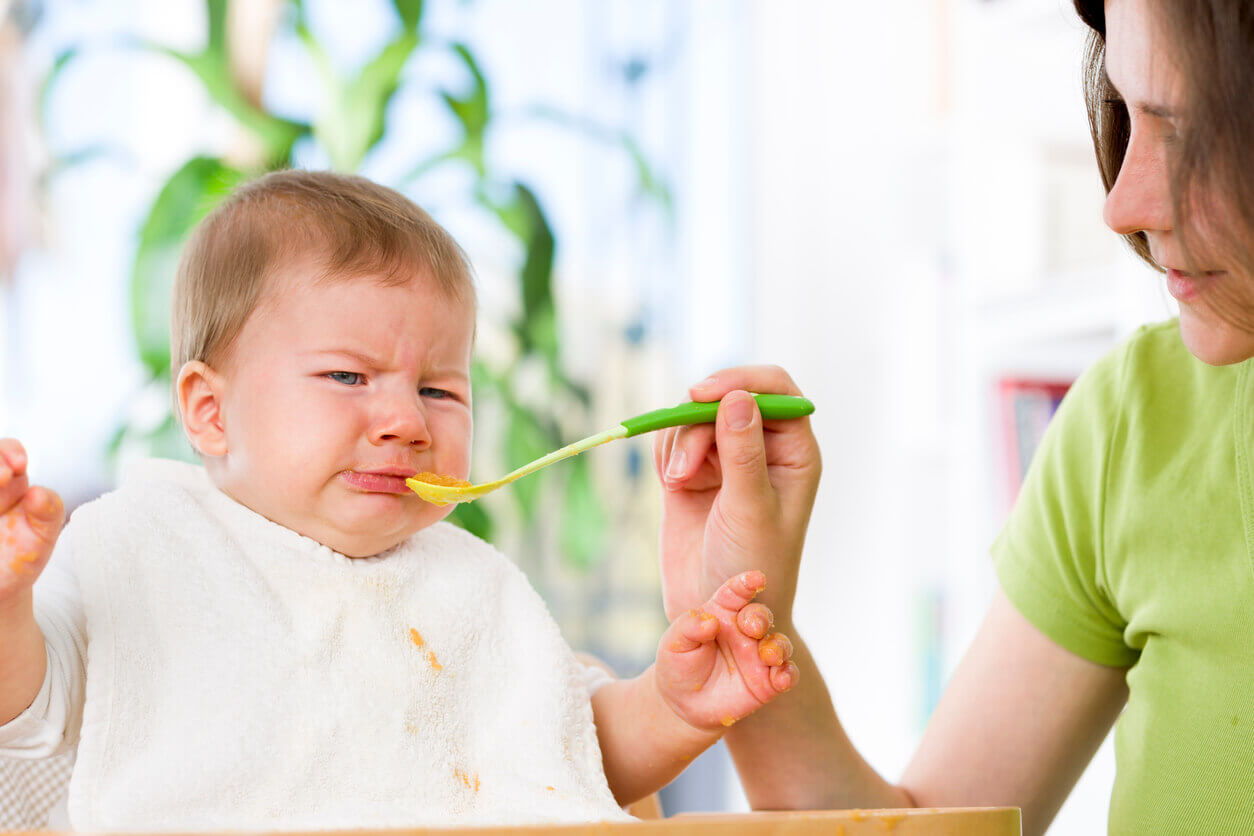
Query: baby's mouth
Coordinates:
[390,481]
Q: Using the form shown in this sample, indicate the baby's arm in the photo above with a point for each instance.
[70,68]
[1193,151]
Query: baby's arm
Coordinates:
[714,666]
[30,520]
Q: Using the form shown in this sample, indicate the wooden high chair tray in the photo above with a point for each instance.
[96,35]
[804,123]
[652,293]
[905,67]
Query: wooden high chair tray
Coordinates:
[960,821]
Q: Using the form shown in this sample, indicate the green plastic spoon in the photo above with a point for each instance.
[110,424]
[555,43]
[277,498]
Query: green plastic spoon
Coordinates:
[773,407]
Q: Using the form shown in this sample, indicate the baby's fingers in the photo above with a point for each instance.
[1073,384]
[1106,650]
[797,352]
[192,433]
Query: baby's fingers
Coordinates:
[27,535]
[738,591]
[13,480]
[785,677]
[45,514]
[692,630]
[775,649]
[755,620]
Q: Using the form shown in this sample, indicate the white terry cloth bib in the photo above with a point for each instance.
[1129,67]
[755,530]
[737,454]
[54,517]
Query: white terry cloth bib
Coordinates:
[242,676]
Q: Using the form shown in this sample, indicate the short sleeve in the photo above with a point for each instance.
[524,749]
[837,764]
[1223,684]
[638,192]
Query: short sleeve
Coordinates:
[593,677]
[1049,556]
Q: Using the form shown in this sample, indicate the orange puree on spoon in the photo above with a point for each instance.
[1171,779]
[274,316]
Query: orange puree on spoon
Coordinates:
[440,479]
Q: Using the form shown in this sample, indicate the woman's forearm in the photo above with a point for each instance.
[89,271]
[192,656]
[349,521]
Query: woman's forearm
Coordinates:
[793,754]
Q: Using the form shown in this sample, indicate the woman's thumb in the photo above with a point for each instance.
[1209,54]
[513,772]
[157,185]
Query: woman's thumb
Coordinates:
[741,453]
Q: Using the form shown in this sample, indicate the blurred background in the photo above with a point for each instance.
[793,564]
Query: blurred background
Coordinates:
[895,201]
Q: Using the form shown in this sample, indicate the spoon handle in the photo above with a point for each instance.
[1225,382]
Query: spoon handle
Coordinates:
[773,407]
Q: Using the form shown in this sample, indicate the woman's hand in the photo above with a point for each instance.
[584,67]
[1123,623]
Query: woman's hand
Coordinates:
[737,493]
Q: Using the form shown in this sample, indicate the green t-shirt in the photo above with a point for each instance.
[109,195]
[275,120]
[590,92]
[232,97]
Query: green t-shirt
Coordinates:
[1132,545]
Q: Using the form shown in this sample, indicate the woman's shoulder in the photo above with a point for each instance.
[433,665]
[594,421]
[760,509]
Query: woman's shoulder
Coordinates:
[1156,346]
[1155,369]
[1151,360]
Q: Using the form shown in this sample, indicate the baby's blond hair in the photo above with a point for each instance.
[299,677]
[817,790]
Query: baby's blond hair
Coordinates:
[354,227]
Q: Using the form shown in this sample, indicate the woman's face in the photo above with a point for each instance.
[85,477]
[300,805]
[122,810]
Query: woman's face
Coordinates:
[1141,69]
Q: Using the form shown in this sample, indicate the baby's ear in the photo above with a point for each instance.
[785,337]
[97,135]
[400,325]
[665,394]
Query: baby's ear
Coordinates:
[198,391]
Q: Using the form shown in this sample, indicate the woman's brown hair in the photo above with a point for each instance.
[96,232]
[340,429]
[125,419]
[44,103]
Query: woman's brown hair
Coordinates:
[1213,46]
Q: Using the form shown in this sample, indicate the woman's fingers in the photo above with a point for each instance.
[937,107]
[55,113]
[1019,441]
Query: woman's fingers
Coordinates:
[682,454]
[749,378]
[742,457]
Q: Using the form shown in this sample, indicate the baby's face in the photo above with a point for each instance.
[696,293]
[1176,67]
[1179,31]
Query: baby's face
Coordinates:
[333,394]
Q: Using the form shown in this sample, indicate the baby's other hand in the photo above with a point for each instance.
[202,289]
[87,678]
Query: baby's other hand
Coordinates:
[30,521]
[721,663]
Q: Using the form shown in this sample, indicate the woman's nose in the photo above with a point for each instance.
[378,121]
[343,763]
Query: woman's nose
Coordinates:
[1140,200]
[401,421]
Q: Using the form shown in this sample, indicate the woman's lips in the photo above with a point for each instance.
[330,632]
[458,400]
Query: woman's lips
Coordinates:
[376,482]
[1186,287]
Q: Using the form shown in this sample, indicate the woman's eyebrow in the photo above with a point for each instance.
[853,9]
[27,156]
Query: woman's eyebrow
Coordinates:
[1148,108]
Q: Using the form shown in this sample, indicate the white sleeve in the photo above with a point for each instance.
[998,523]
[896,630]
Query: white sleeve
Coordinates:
[52,722]
[594,677]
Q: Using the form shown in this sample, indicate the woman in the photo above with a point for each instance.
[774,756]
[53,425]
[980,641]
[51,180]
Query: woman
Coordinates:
[1127,567]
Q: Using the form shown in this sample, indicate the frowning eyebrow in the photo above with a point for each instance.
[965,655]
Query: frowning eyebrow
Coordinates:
[364,359]
[370,362]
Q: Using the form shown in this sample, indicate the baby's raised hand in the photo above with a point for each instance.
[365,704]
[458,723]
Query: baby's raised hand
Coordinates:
[30,520]
[721,663]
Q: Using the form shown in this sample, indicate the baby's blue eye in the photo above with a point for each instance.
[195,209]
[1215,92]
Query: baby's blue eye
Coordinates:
[432,392]
[347,378]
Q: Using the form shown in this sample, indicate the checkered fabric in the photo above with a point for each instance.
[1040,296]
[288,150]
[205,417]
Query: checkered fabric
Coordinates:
[29,789]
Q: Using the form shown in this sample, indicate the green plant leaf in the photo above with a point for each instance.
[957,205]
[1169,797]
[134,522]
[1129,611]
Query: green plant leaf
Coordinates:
[354,117]
[585,522]
[410,13]
[63,60]
[426,165]
[648,181]
[526,439]
[536,328]
[215,14]
[475,518]
[471,110]
[212,67]
[185,198]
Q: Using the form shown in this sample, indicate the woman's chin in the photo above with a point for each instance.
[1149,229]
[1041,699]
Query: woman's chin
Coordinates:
[1212,340]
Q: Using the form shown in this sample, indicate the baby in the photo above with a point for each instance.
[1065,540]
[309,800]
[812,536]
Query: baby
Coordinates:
[287,637]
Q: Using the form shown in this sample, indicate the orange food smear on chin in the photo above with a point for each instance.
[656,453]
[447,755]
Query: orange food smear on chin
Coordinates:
[441,479]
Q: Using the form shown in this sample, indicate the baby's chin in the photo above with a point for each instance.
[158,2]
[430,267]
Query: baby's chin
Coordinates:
[357,543]
[371,540]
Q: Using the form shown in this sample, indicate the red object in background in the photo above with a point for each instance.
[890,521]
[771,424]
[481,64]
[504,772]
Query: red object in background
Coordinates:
[1026,407]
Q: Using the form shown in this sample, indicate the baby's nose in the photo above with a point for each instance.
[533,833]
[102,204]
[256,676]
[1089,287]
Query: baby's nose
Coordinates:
[406,425]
